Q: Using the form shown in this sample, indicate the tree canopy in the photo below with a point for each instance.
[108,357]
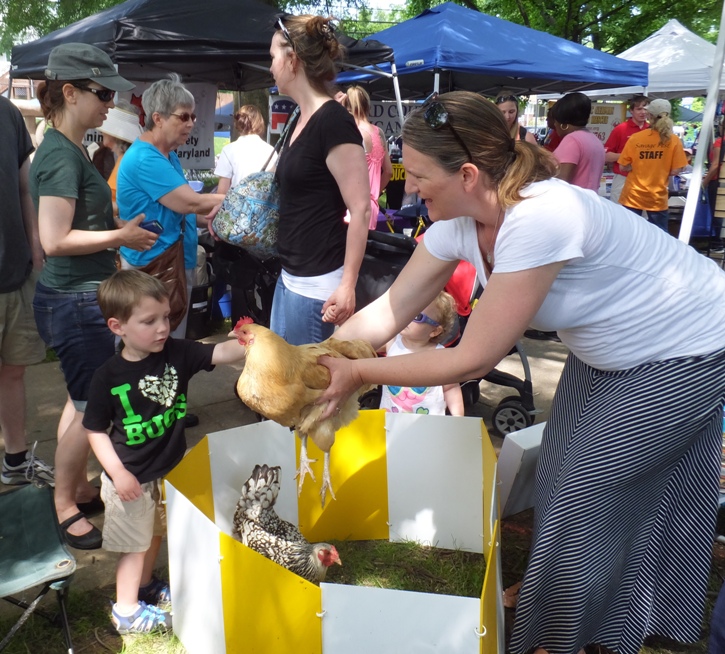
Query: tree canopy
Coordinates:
[610,25]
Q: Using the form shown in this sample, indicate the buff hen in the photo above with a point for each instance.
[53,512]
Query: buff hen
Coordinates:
[283,381]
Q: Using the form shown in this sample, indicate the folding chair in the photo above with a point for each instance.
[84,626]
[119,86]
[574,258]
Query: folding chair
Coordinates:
[32,553]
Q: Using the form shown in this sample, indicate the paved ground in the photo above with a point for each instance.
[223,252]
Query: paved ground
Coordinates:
[211,397]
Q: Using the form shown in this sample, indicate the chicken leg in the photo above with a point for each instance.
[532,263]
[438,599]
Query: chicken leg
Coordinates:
[326,482]
[305,468]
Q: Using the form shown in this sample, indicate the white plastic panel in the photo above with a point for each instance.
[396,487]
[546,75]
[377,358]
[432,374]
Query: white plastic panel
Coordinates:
[235,452]
[365,620]
[194,575]
[516,467]
[435,483]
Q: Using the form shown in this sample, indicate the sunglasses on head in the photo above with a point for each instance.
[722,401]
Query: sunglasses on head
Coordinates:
[436,116]
[421,317]
[506,98]
[285,31]
[185,117]
[104,95]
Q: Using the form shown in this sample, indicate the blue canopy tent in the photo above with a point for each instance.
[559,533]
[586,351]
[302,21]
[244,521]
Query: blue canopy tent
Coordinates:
[450,47]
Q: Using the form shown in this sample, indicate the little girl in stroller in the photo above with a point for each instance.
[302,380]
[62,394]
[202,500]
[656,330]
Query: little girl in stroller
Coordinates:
[385,256]
[429,329]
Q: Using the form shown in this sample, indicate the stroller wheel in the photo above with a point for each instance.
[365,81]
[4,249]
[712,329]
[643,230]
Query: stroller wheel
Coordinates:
[510,416]
[371,399]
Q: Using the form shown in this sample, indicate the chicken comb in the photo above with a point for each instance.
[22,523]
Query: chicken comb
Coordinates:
[246,320]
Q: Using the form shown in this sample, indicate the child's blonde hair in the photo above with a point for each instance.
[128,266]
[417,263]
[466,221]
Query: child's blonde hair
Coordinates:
[445,308]
[124,290]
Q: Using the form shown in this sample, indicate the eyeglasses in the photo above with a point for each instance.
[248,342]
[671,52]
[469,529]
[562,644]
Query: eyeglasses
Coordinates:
[185,117]
[421,317]
[104,95]
[436,117]
[285,32]
[506,98]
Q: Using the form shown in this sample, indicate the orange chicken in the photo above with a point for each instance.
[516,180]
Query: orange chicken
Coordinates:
[283,381]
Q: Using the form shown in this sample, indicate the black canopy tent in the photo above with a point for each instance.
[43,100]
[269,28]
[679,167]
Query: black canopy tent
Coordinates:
[223,42]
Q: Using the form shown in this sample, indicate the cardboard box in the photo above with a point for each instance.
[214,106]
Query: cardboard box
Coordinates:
[397,477]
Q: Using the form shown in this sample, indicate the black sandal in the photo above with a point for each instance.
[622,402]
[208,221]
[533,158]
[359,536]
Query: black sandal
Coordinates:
[91,540]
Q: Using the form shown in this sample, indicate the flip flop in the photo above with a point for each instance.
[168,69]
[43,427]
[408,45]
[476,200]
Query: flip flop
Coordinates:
[91,540]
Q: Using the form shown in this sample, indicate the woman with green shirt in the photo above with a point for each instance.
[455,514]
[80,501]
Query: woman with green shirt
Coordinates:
[78,235]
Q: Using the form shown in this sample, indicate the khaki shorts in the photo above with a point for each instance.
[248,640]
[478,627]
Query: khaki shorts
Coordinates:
[20,344]
[130,526]
[617,186]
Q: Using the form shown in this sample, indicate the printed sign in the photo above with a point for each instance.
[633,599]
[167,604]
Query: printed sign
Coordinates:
[605,117]
[198,151]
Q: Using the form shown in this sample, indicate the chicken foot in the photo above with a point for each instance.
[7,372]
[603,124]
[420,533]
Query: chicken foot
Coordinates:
[304,468]
[326,482]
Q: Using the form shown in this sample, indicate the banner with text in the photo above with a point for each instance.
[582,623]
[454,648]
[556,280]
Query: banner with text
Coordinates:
[384,114]
[198,151]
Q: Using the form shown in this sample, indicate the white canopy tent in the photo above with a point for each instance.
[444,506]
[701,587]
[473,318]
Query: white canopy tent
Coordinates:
[680,65]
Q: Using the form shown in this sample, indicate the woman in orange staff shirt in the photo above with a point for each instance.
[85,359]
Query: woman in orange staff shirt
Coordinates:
[650,157]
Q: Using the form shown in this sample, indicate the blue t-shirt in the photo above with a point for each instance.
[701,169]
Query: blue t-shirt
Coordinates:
[144,176]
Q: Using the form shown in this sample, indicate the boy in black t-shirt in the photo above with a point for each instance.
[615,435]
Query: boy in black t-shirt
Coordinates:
[141,393]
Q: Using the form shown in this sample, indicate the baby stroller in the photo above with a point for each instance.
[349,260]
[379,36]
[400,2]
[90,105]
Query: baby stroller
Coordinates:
[385,256]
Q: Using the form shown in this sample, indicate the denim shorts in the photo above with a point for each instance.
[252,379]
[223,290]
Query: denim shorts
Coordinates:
[72,324]
[298,319]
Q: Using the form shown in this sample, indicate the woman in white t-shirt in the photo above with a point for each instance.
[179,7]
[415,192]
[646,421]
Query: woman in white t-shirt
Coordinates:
[628,474]
[248,153]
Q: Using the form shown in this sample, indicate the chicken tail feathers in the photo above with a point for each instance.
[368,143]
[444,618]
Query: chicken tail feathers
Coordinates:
[262,487]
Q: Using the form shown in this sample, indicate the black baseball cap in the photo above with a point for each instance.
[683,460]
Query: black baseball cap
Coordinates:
[72,61]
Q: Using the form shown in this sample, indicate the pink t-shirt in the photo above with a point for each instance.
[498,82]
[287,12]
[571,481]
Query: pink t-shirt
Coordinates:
[586,151]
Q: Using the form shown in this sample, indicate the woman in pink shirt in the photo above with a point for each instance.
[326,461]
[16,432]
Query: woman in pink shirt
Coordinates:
[380,168]
[580,153]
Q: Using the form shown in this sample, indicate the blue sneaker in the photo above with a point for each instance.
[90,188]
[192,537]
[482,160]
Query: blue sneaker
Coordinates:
[146,619]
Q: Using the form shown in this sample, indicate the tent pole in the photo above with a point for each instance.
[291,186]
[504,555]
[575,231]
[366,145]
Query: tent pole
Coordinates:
[708,119]
[396,87]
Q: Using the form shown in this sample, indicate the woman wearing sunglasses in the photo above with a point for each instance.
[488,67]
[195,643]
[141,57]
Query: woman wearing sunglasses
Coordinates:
[151,180]
[322,174]
[509,107]
[628,474]
[78,235]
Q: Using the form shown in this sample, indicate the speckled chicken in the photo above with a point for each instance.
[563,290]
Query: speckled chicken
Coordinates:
[257,525]
[283,381]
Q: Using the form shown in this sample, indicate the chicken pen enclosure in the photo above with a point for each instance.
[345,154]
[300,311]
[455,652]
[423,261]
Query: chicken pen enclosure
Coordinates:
[397,477]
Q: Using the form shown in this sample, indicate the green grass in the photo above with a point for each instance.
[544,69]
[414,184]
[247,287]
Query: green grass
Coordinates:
[91,629]
[408,566]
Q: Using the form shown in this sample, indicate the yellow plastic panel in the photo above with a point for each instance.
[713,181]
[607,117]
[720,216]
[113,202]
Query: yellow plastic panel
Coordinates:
[489,486]
[358,471]
[490,595]
[193,478]
[267,608]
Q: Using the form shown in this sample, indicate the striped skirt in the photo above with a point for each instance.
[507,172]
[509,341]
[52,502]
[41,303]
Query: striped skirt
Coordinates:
[627,489]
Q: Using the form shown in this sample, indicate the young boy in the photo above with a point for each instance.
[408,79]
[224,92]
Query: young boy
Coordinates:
[427,330]
[142,394]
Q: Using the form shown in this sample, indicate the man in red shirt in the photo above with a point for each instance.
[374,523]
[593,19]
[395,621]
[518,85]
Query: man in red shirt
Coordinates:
[620,134]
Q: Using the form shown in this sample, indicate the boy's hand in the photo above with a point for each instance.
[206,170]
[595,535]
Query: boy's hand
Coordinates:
[127,486]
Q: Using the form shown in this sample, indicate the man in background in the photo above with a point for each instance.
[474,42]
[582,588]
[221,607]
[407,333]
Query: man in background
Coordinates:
[21,259]
[620,134]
